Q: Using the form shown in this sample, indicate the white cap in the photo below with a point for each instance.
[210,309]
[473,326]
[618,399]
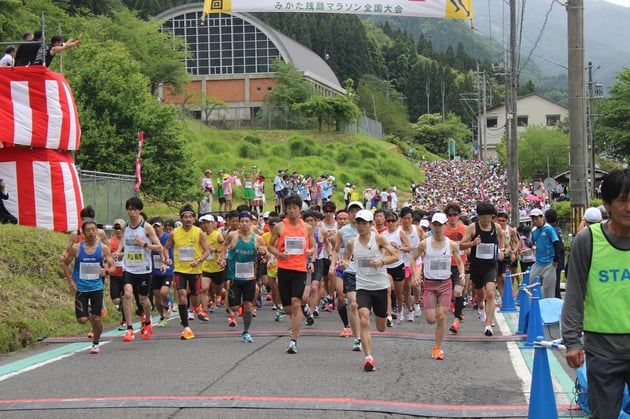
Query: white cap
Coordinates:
[355,204]
[424,223]
[592,215]
[207,217]
[365,215]
[439,217]
[266,214]
[536,212]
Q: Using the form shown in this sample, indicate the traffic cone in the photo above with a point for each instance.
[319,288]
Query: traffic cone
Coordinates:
[535,325]
[524,306]
[542,401]
[508,297]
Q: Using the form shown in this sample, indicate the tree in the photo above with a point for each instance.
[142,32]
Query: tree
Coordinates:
[435,135]
[539,148]
[290,85]
[317,107]
[114,105]
[614,125]
[211,103]
[344,110]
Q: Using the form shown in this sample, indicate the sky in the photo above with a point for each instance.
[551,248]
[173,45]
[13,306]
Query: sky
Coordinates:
[625,3]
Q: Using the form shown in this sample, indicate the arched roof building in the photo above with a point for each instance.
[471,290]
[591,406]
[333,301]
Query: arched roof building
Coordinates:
[230,57]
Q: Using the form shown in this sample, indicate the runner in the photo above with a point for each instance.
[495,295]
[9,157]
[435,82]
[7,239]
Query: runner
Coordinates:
[245,246]
[367,254]
[93,262]
[292,242]
[162,275]
[437,252]
[190,249]
[139,241]
[213,274]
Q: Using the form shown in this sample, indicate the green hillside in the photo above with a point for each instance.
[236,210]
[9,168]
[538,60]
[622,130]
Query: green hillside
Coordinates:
[353,158]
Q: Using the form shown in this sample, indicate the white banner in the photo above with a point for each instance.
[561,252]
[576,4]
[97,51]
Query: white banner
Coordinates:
[451,9]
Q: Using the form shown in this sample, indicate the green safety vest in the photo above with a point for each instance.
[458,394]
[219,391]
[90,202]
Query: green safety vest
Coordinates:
[607,287]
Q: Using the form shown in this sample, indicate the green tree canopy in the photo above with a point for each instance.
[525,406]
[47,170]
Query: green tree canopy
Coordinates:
[114,105]
[435,135]
[539,148]
[615,121]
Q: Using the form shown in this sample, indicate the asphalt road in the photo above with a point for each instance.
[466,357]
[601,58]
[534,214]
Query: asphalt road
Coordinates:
[217,374]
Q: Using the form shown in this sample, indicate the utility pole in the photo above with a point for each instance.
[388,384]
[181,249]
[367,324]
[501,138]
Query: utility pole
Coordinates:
[512,117]
[481,138]
[577,139]
[591,130]
[484,115]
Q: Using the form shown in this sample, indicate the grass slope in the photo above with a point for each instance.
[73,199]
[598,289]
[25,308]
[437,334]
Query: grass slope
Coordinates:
[37,301]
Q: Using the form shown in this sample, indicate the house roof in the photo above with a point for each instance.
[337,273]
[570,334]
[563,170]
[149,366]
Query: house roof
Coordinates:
[534,94]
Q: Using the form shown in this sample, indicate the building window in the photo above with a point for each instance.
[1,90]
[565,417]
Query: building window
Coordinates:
[491,122]
[522,121]
[269,88]
[259,89]
[552,120]
[222,37]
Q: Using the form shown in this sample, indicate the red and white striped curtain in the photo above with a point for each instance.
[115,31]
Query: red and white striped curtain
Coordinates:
[39,126]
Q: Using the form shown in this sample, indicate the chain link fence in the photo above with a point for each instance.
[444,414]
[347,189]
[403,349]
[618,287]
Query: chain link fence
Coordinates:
[107,194]
[284,118]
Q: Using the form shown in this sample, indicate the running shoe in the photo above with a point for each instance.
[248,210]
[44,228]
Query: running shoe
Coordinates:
[269,297]
[481,313]
[232,321]
[146,331]
[191,315]
[437,353]
[417,310]
[310,320]
[203,315]
[278,316]
[394,312]
[254,314]
[292,349]
[163,322]
[368,364]
[411,316]
[122,326]
[259,302]
[247,337]
[488,331]
[129,336]
[328,308]
[390,322]
[169,311]
[356,345]
[90,334]
[316,311]
[240,311]
[398,317]
[187,334]
[346,332]
[212,310]
[95,349]
[454,328]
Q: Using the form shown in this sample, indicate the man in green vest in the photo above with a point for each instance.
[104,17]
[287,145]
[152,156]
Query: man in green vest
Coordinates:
[597,297]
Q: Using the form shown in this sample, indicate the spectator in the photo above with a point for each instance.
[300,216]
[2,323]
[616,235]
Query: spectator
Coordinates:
[5,215]
[9,57]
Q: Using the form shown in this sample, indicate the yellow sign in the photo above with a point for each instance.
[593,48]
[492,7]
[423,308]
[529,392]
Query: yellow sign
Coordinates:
[451,9]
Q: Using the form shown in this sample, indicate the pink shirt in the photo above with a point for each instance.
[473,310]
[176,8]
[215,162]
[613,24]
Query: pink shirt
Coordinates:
[227,185]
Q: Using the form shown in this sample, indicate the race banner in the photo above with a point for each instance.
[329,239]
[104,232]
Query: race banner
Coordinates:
[37,109]
[450,9]
[136,187]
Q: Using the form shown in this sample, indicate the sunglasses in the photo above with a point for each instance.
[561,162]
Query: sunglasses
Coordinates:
[501,219]
[117,228]
[451,215]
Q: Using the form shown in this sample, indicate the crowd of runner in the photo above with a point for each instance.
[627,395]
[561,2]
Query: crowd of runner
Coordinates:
[309,255]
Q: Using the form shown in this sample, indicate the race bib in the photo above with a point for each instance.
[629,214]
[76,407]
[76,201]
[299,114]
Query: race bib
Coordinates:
[134,257]
[485,251]
[89,270]
[186,253]
[294,245]
[211,255]
[157,260]
[244,269]
[364,266]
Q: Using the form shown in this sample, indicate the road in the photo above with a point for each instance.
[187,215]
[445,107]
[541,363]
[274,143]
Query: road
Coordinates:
[217,374]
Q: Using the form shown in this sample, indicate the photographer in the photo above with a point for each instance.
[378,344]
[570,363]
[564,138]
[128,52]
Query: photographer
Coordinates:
[5,216]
